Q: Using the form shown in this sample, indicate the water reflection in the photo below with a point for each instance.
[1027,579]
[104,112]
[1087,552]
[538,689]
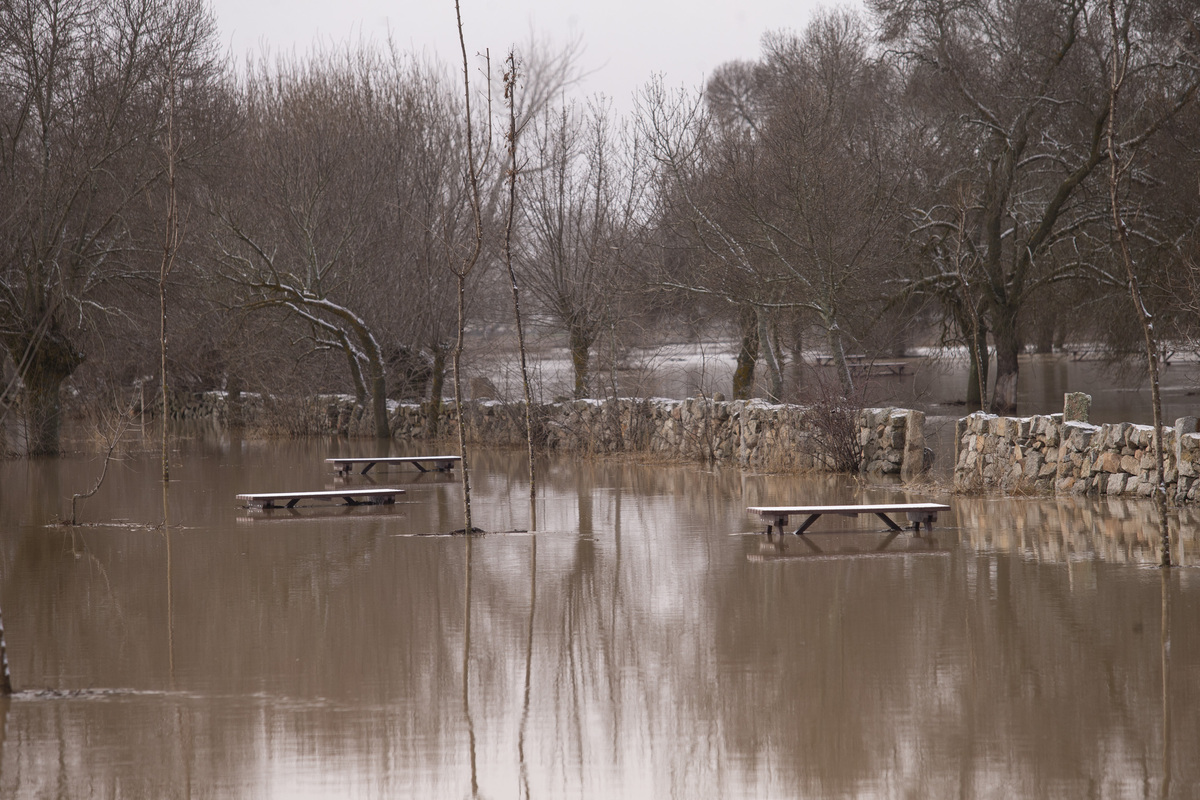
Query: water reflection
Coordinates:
[645,641]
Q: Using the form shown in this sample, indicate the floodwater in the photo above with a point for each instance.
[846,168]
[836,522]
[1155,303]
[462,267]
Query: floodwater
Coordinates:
[646,641]
[935,384]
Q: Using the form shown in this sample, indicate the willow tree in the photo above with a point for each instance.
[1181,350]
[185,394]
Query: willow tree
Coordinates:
[581,200]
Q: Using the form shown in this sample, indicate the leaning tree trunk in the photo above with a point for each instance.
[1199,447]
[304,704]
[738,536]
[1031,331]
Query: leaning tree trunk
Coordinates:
[774,373]
[977,372]
[837,351]
[747,358]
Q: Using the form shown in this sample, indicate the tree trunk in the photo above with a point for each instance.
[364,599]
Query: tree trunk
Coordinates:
[838,352]
[436,388]
[977,373]
[360,386]
[743,376]
[775,391]
[379,400]
[456,363]
[580,344]
[1140,309]
[1008,347]
[51,362]
[5,678]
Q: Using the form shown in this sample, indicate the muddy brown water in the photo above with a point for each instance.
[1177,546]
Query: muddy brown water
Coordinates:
[645,641]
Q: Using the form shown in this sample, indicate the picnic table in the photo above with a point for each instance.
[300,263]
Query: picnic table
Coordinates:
[917,513]
[345,466]
[352,496]
[863,364]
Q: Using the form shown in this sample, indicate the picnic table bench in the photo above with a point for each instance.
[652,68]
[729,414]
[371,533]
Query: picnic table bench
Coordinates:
[345,466]
[352,496]
[861,363]
[917,513]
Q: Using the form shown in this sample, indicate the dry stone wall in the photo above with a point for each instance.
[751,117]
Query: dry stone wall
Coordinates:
[1056,454]
[751,433]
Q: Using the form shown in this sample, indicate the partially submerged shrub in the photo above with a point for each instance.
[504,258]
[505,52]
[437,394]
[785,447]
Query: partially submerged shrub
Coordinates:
[830,425]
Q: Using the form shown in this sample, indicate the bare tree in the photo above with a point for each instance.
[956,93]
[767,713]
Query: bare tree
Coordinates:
[305,226]
[461,258]
[786,186]
[1123,59]
[511,76]
[1027,156]
[583,196]
[81,103]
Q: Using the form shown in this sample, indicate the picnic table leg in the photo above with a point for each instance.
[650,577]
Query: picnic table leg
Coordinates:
[884,544]
[888,520]
[811,519]
[367,467]
[292,502]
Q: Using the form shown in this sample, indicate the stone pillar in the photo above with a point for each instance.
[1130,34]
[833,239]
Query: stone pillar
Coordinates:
[1183,426]
[1076,406]
[913,465]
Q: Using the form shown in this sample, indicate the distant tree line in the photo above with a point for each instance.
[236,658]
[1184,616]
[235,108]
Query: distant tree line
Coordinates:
[935,170]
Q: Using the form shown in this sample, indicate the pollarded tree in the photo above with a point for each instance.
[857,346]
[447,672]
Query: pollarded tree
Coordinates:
[581,196]
[1014,97]
[83,102]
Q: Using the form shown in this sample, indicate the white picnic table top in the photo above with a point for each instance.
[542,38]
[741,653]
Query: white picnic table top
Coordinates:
[441,463]
[373,494]
[916,513]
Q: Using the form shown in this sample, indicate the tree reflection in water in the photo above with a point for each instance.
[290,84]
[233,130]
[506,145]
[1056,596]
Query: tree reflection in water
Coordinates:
[634,645]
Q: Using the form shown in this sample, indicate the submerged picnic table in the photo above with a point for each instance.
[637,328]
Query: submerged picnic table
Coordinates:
[345,466]
[917,513]
[352,496]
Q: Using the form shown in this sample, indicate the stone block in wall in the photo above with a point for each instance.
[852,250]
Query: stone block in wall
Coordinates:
[1109,461]
[1189,454]
[1032,466]
[1076,407]
[1079,434]
[1116,483]
[1117,436]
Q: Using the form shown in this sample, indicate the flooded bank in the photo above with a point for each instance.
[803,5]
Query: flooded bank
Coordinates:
[639,638]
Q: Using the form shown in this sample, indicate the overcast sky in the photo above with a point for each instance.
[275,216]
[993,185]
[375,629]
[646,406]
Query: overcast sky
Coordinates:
[625,41]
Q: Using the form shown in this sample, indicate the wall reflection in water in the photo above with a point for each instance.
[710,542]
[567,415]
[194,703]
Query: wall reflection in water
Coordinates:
[644,641]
